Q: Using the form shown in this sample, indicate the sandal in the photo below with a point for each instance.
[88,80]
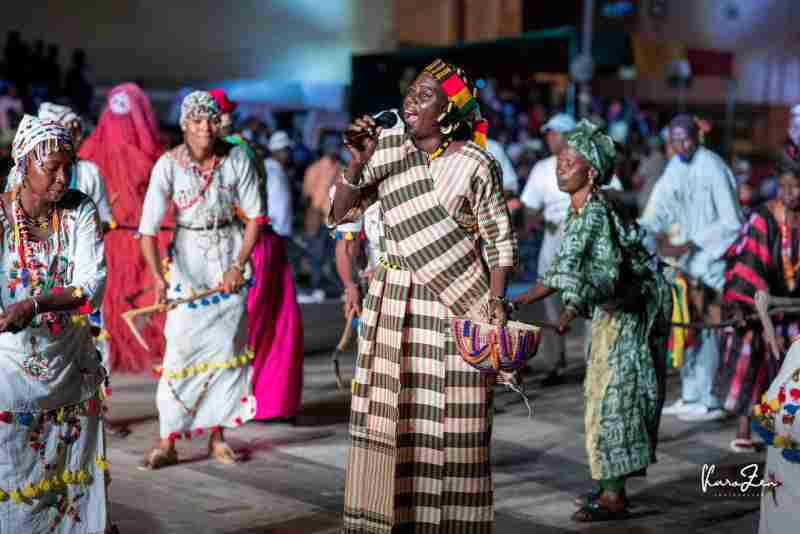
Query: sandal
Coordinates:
[742,445]
[158,458]
[591,496]
[597,511]
[223,453]
[588,497]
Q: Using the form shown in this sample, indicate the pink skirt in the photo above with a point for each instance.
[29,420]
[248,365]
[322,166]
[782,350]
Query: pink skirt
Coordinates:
[276,331]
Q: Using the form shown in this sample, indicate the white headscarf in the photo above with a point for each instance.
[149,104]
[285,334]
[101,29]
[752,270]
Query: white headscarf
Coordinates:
[39,138]
[198,103]
[63,115]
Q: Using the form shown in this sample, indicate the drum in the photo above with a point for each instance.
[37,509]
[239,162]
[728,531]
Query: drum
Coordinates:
[491,348]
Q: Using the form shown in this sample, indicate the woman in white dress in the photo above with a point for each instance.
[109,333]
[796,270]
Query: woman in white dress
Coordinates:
[85,177]
[205,381]
[52,459]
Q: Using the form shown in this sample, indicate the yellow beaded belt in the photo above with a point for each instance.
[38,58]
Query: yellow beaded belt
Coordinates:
[389,265]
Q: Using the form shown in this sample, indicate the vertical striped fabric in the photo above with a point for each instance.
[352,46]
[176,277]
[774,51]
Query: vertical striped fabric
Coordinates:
[420,416]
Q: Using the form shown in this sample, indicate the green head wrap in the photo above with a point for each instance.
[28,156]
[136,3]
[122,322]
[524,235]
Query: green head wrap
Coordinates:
[595,146]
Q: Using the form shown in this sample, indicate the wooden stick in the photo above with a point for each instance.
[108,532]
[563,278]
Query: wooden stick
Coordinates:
[341,347]
[700,325]
[130,315]
[763,301]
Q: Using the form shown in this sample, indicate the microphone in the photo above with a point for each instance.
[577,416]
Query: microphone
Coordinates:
[384,119]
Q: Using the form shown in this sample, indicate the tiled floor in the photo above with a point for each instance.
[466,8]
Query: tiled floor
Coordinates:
[293,481]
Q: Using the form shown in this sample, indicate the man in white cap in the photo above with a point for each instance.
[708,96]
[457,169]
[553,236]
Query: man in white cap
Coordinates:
[278,190]
[547,208]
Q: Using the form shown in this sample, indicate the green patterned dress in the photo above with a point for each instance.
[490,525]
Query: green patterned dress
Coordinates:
[604,272]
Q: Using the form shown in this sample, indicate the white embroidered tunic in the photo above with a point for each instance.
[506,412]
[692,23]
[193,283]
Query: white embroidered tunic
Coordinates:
[52,459]
[205,381]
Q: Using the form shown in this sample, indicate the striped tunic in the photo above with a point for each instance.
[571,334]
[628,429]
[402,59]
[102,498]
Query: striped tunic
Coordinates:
[421,417]
[757,262]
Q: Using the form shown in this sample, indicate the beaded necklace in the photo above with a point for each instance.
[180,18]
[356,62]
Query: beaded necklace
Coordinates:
[41,222]
[441,150]
[30,268]
[789,269]
[207,175]
[22,235]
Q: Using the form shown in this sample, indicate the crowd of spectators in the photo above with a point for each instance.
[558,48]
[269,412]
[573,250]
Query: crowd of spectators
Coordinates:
[32,73]
[517,110]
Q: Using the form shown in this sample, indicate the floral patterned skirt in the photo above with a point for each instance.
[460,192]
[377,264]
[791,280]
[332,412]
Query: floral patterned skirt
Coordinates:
[53,471]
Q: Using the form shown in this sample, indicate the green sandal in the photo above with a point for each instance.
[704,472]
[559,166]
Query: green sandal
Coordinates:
[588,497]
[591,496]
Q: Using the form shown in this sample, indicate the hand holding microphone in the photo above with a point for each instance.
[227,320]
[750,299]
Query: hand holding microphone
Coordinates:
[361,138]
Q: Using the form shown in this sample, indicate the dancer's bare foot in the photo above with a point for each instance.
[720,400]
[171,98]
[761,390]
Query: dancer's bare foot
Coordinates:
[120,431]
[221,451]
[162,456]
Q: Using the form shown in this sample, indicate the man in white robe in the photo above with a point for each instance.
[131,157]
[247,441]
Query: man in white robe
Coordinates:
[696,201]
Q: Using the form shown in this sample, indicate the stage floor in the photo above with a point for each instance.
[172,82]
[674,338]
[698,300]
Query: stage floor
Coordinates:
[294,479]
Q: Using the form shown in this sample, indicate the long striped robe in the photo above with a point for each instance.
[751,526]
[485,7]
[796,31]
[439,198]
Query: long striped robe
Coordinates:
[755,262]
[421,417]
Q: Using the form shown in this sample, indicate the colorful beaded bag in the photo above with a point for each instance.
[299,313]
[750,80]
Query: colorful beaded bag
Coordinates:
[492,349]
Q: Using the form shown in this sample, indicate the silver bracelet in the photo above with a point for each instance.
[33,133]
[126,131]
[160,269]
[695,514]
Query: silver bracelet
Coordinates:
[35,306]
[347,184]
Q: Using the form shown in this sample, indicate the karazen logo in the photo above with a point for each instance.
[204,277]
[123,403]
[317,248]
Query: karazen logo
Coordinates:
[748,484]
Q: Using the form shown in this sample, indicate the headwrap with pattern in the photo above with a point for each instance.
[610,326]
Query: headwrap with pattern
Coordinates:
[63,115]
[596,147]
[199,103]
[40,139]
[462,101]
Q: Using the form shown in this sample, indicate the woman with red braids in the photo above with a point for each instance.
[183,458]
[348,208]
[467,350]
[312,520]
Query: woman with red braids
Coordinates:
[126,145]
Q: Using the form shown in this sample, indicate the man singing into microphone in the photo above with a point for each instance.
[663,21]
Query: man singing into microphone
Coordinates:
[421,417]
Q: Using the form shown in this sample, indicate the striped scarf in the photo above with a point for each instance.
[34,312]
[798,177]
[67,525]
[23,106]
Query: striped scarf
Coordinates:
[440,254]
[462,101]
